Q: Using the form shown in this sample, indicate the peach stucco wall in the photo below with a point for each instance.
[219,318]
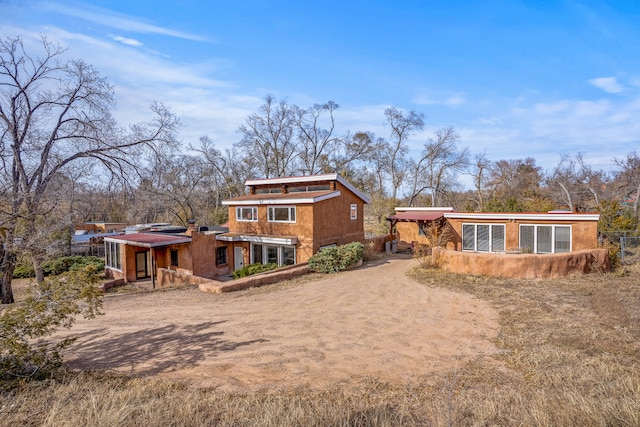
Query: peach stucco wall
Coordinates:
[525,266]
[317,224]
[584,234]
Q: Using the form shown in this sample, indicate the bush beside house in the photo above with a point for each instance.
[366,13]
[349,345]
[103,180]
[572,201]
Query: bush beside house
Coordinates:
[336,258]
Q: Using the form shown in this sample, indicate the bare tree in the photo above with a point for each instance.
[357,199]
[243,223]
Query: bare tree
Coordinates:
[437,168]
[269,136]
[316,143]
[479,173]
[564,179]
[402,127]
[628,178]
[54,113]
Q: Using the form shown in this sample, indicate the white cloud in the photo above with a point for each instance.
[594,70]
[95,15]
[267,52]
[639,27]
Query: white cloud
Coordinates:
[110,19]
[451,101]
[608,84]
[127,41]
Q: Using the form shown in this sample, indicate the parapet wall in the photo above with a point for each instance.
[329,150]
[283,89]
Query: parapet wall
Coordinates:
[523,266]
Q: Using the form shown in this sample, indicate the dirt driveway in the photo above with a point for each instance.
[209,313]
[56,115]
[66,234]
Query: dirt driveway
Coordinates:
[373,321]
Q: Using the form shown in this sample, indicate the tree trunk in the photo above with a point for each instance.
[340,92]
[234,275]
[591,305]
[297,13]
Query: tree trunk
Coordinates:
[7,268]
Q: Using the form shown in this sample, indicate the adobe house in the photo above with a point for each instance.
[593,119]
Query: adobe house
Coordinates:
[286,220]
[138,256]
[538,244]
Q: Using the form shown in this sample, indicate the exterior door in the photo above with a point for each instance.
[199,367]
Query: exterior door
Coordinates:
[238,258]
[142,268]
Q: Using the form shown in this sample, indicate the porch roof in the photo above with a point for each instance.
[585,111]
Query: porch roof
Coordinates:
[416,216]
[257,238]
[149,240]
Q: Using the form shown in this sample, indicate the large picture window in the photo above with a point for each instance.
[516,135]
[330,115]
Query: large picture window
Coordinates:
[282,214]
[248,213]
[112,255]
[276,254]
[483,237]
[545,239]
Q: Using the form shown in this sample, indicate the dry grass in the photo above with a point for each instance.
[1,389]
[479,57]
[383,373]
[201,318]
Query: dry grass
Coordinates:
[569,355]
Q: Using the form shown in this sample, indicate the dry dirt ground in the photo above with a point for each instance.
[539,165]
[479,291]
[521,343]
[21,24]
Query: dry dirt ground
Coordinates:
[372,322]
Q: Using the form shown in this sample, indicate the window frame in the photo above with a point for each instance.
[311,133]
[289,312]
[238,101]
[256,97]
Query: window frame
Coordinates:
[291,213]
[491,239]
[221,256]
[353,211]
[173,257]
[113,255]
[240,213]
[553,238]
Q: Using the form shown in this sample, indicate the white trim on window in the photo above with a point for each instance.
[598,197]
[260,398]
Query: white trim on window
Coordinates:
[281,214]
[545,238]
[113,259]
[354,211]
[247,213]
[483,237]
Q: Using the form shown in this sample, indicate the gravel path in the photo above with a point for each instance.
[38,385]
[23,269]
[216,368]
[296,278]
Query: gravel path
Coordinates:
[370,322]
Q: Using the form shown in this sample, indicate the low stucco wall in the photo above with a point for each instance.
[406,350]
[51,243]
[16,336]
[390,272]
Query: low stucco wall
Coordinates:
[255,280]
[378,242]
[170,278]
[523,266]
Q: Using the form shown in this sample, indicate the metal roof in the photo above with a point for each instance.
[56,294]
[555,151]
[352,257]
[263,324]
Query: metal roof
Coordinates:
[282,198]
[416,216]
[310,178]
[257,238]
[149,240]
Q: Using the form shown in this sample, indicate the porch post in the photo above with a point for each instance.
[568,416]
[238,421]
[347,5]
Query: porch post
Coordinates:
[153,269]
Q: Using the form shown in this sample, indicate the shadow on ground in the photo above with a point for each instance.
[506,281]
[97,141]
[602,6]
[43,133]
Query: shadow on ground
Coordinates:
[170,347]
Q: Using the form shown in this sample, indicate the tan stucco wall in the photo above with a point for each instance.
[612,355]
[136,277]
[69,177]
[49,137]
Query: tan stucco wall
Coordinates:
[584,234]
[317,224]
[332,220]
[169,278]
[408,232]
[524,266]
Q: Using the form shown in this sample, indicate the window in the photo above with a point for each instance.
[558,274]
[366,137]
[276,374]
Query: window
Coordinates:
[545,239]
[247,213]
[354,211]
[282,214]
[273,254]
[221,255]
[174,257]
[288,255]
[112,255]
[257,254]
[483,237]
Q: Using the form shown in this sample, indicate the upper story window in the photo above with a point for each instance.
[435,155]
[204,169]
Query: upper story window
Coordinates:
[249,213]
[545,239]
[483,237]
[281,213]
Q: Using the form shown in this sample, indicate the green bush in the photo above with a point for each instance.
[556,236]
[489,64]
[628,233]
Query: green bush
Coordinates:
[25,353]
[60,265]
[23,271]
[256,268]
[336,258]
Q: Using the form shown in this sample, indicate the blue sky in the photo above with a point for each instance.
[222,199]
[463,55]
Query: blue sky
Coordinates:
[514,78]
